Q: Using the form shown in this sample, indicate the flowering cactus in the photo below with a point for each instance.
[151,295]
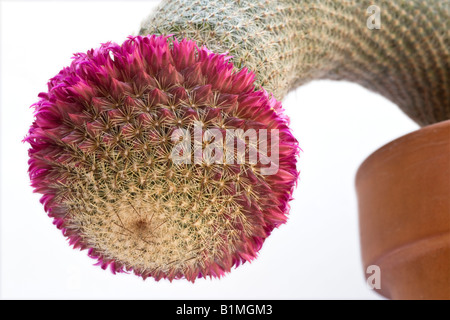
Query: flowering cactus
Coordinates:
[101,153]
[103,141]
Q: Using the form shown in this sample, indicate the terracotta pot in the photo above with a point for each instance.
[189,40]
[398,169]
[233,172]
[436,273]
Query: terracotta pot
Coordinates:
[403,192]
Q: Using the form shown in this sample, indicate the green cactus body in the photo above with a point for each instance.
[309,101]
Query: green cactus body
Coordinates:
[289,43]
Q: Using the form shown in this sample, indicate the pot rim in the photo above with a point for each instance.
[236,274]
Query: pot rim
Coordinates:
[392,145]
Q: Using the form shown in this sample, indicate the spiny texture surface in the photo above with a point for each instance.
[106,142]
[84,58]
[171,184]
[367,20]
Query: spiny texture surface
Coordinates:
[101,156]
[288,43]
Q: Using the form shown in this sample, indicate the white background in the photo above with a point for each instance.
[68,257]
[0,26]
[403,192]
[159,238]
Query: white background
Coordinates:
[314,256]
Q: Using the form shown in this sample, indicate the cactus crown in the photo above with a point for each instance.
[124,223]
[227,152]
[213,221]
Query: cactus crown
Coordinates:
[101,153]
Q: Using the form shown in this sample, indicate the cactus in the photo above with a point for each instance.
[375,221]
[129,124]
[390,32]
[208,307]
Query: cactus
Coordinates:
[102,142]
[288,43]
[105,152]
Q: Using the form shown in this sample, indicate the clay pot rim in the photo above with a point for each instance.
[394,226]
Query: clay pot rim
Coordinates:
[375,156]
